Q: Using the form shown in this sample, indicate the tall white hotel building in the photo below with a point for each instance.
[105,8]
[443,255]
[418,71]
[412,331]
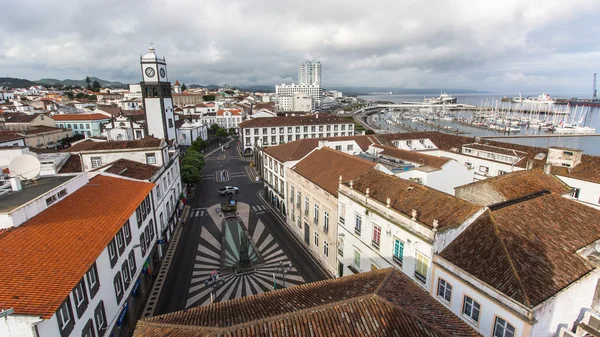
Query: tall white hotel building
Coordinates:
[309,82]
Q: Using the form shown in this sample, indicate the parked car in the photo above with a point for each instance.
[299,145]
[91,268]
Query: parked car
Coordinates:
[228,190]
[227,145]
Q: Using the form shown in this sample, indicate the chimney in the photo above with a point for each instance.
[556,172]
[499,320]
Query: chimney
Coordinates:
[529,165]
[317,115]
[547,168]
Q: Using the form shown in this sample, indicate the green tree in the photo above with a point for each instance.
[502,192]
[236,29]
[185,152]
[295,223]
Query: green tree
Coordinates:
[190,174]
[80,95]
[232,131]
[88,81]
[96,86]
[221,133]
[199,144]
[183,87]
[193,158]
[214,127]
[69,94]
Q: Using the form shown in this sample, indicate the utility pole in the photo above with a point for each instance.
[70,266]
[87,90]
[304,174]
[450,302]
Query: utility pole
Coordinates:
[281,269]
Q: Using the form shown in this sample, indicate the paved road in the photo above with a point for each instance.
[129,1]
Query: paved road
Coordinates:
[199,249]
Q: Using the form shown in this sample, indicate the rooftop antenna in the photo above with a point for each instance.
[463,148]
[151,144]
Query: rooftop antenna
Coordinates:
[595,90]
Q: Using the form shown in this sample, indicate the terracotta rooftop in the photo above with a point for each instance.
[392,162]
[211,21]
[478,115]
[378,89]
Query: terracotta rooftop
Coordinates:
[453,143]
[132,169]
[527,250]
[80,146]
[516,184]
[294,121]
[406,195]
[19,117]
[6,136]
[80,117]
[378,303]
[45,257]
[324,166]
[118,145]
[42,129]
[72,165]
[413,156]
[234,112]
[588,169]
[297,149]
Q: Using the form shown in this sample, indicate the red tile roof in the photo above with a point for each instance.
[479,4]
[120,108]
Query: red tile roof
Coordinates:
[132,169]
[413,156]
[299,148]
[511,186]
[324,166]
[528,250]
[80,117]
[588,169]
[90,145]
[234,112]
[9,135]
[72,165]
[378,303]
[294,121]
[45,257]
[405,196]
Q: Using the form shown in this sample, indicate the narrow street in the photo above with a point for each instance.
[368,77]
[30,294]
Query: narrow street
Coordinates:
[198,251]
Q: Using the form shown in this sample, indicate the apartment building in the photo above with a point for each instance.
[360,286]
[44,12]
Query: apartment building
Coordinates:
[385,221]
[89,125]
[526,267]
[285,94]
[80,266]
[312,186]
[264,132]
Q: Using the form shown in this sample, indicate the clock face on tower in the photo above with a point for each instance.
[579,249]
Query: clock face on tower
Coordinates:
[162,72]
[150,72]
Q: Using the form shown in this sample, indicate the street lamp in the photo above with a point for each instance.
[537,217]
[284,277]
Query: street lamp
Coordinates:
[281,269]
[215,282]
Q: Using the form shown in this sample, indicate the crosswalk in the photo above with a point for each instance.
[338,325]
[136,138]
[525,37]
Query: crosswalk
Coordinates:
[197,212]
[252,174]
[222,176]
[259,209]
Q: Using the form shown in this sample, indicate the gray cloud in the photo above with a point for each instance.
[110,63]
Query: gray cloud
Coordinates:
[508,45]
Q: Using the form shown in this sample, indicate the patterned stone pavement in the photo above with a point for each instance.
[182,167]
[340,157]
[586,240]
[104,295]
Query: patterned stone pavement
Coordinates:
[208,259]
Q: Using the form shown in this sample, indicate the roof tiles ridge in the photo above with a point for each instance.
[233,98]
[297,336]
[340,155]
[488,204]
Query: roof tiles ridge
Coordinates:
[178,326]
[511,263]
[409,313]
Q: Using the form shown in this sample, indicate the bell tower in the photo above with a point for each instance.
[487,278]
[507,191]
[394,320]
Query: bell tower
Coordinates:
[156,91]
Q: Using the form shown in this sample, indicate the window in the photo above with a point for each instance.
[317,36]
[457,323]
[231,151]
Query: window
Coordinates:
[132,266]
[421,268]
[484,169]
[341,246]
[299,222]
[316,214]
[75,126]
[471,309]
[357,223]
[100,318]
[575,193]
[118,284]
[88,330]
[96,162]
[349,147]
[125,272]
[62,193]
[51,200]
[112,252]
[305,129]
[64,318]
[79,294]
[306,205]
[356,260]
[281,130]
[376,236]
[150,158]
[325,248]
[398,251]
[120,242]
[338,148]
[170,122]
[500,172]
[503,329]
[342,208]
[143,243]
[273,140]
[81,126]
[317,239]
[273,130]
[298,198]
[444,290]
[325,221]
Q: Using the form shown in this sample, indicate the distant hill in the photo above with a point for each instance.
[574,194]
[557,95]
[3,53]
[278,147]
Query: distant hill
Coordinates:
[15,82]
[103,83]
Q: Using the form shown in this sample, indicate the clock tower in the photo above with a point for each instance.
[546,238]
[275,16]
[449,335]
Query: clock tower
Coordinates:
[158,103]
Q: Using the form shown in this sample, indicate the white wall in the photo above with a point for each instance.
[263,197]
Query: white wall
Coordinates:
[38,205]
[566,307]
[589,192]
[108,157]
[489,307]
[493,166]
[382,257]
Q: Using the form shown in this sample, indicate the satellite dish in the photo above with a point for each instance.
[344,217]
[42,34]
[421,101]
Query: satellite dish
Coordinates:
[26,167]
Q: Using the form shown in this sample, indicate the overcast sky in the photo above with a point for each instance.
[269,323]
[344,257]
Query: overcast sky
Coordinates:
[501,46]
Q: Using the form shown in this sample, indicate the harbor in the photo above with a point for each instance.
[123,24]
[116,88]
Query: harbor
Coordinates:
[493,117]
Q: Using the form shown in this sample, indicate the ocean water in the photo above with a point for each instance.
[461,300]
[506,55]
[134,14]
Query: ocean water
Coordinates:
[590,145]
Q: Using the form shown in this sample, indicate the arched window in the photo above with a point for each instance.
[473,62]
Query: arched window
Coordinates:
[147,92]
[155,91]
